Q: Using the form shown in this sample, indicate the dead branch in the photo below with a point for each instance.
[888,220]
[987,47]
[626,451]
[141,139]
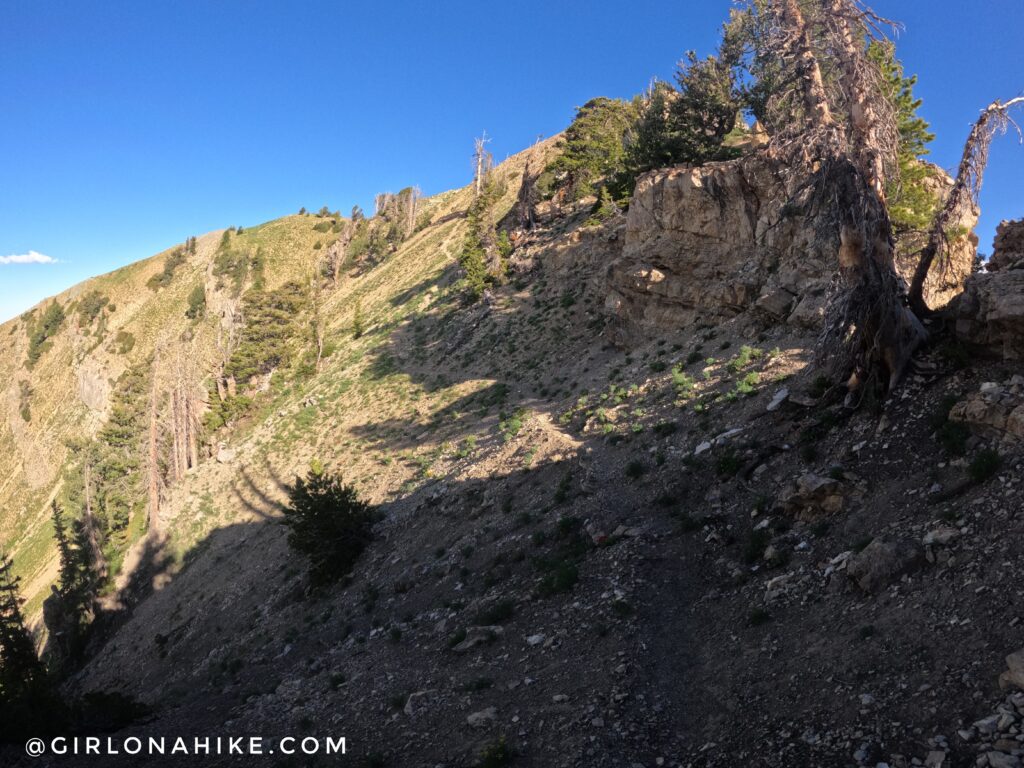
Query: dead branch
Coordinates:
[994,119]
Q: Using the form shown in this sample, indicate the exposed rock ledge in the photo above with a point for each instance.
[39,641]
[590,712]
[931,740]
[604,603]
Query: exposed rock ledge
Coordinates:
[705,244]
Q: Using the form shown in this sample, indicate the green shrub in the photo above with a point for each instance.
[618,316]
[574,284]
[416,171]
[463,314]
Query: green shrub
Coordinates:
[124,342]
[196,303]
[90,306]
[171,264]
[40,332]
[328,523]
[495,755]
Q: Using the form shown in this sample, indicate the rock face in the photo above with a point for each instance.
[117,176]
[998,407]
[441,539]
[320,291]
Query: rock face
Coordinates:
[882,562]
[1008,247]
[705,244]
[945,281]
[996,411]
[990,313]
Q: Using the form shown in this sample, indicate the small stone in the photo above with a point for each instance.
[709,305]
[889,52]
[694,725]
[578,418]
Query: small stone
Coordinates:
[483,717]
[1002,760]
[780,397]
[535,639]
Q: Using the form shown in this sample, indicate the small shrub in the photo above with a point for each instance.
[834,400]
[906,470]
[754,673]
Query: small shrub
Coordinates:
[124,342]
[985,465]
[728,464]
[497,754]
[328,523]
[635,469]
[196,303]
[562,577]
[756,544]
[758,616]
[498,613]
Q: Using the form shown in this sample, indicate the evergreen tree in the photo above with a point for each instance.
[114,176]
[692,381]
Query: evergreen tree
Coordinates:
[594,147]
[911,205]
[119,491]
[481,257]
[68,562]
[328,523]
[28,706]
[269,326]
[20,668]
[357,320]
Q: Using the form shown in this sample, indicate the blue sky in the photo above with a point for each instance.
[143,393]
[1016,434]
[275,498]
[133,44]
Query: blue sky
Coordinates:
[129,126]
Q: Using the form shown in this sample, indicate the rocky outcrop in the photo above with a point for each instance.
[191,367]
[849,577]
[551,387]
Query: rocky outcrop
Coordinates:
[882,562]
[708,243]
[1008,247]
[990,313]
[996,411]
[94,385]
[704,244]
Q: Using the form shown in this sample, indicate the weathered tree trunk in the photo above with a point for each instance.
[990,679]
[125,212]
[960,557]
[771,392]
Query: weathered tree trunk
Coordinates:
[526,198]
[153,463]
[965,191]
[482,164]
[869,336]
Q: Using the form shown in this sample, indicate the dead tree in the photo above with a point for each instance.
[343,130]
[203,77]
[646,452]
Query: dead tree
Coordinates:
[527,197]
[994,119]
[153,463]
[482,163]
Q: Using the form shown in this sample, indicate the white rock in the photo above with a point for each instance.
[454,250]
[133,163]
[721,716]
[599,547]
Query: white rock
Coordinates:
[780,397]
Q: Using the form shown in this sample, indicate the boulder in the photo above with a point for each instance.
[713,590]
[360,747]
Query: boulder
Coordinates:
[995,412]
[1008,247]
[483,717]
[478,636]
[1013,677]
[990,313]
[811,496]
[882,562]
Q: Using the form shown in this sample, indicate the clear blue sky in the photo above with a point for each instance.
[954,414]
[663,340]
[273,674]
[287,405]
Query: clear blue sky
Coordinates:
[129,126]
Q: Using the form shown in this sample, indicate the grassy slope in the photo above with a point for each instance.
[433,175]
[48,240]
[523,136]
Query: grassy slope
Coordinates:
[32,454]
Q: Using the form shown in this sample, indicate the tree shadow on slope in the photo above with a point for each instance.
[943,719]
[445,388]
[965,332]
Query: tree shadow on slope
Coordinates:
[241,618]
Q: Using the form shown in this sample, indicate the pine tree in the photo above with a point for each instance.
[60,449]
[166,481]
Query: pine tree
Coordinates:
[21,671]
[594,145]
[911,205]
[328,523]
[481,257]
[68,562]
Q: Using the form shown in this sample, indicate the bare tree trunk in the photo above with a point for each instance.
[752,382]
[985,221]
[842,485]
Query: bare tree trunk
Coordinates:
[869,335]
[526,198]
[480,157]
[966,188]
[151,469]
[819,113]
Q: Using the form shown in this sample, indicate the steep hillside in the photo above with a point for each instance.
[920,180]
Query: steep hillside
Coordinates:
[675,550]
